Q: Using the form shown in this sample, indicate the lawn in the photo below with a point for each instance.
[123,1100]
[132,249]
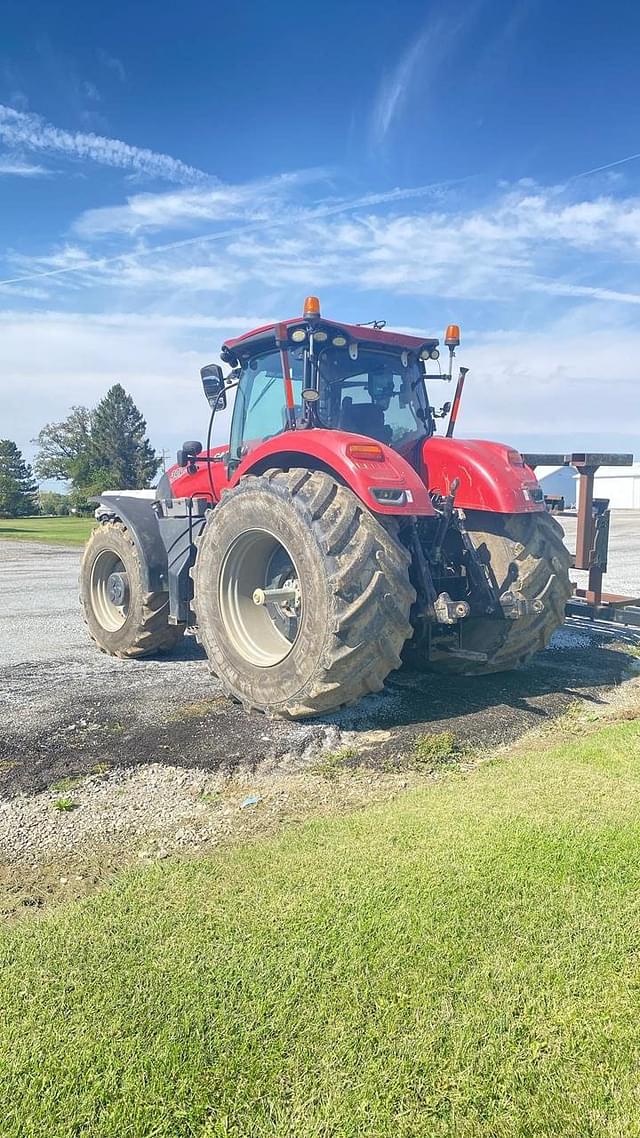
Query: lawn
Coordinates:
[464,961]
[59,531]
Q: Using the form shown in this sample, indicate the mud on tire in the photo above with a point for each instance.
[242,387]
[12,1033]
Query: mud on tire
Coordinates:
[352,577]
[141,626]
[533,545]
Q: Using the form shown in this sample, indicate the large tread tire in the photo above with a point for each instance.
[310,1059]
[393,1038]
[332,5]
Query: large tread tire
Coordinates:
[533,545]
[146,629]
[356,593]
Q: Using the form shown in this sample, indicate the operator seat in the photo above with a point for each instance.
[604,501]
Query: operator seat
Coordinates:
[364,419]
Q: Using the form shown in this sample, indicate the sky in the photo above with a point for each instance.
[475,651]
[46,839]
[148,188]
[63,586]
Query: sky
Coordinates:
[172,175]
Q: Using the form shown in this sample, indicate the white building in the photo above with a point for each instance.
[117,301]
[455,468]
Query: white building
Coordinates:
[620,484]
[558,480]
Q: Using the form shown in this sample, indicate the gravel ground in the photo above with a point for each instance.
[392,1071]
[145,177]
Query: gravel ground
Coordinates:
[103,760]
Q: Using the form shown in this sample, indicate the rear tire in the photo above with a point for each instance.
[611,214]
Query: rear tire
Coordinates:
[140,625]
[533,545]
[338,632]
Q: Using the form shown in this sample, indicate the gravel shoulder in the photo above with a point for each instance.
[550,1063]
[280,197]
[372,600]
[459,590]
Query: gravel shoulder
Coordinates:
[104,762]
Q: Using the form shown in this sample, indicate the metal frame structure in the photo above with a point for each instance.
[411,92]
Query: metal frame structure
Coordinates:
[592,539]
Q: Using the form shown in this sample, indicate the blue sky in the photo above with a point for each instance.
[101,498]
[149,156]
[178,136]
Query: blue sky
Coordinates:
[174,174]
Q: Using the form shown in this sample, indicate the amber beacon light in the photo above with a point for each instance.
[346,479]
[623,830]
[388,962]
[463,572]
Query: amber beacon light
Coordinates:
[452,336]
[311,308]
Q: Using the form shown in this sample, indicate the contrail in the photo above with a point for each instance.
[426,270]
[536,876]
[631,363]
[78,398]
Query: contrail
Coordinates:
[608,166]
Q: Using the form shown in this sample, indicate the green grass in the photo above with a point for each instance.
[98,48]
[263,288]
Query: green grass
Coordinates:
[59,531]
[464,961]
[429,750]
[64,804]
[332,763]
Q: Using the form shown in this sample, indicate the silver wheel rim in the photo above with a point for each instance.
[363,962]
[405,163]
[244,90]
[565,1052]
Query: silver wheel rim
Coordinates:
[260,598]
[109,591]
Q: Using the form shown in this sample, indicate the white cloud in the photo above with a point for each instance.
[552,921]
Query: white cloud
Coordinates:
[425,59]
[31,132]
[14,168]
[547,384]
[137,321]
[527,243]
[394,87]
[144,212]
[52,360]
[78,262]
[524,243]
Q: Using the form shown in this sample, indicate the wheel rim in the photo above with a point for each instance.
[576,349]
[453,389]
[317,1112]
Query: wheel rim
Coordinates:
[260,598]
[109,590]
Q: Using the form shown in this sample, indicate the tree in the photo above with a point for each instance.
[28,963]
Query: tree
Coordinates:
[65,449]
[52,503]
[17,487]
[98,449]
[123,457]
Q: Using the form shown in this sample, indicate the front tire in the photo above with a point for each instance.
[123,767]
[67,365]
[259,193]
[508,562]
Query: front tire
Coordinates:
[529,548]
[122,618]
[302,596]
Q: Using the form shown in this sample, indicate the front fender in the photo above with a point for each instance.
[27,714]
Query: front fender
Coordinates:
[492,476]
[328,450]
[139,516]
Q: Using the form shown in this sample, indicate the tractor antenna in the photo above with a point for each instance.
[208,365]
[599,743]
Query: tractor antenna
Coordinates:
[377,325]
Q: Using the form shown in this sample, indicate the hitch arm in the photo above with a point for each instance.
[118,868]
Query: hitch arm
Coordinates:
[426,590]
[477,571]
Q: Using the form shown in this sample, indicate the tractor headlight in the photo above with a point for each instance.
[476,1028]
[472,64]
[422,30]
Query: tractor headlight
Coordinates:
[391,495]
[299,335]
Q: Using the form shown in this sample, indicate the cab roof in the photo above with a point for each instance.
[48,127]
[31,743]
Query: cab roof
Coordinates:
[262,338]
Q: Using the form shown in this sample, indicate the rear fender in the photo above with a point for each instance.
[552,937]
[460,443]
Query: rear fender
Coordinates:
[322,449]
[492,476]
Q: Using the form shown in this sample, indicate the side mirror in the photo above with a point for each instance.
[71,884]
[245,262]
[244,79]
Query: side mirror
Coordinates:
[213,384]
[187,454]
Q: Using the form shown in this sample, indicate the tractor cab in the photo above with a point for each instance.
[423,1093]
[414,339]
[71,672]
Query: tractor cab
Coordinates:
[312,373]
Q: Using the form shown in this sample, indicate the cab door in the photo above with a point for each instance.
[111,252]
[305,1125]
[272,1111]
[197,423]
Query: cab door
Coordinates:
[259,410]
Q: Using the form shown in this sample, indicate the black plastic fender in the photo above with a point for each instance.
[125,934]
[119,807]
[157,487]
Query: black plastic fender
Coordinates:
[139,516]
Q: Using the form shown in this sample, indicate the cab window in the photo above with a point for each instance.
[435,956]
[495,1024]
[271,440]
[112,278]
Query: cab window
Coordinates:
[260,409]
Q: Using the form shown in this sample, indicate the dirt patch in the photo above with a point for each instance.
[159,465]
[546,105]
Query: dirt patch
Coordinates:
[68,721]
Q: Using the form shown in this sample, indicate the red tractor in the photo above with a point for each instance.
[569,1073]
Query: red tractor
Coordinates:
[334,532]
